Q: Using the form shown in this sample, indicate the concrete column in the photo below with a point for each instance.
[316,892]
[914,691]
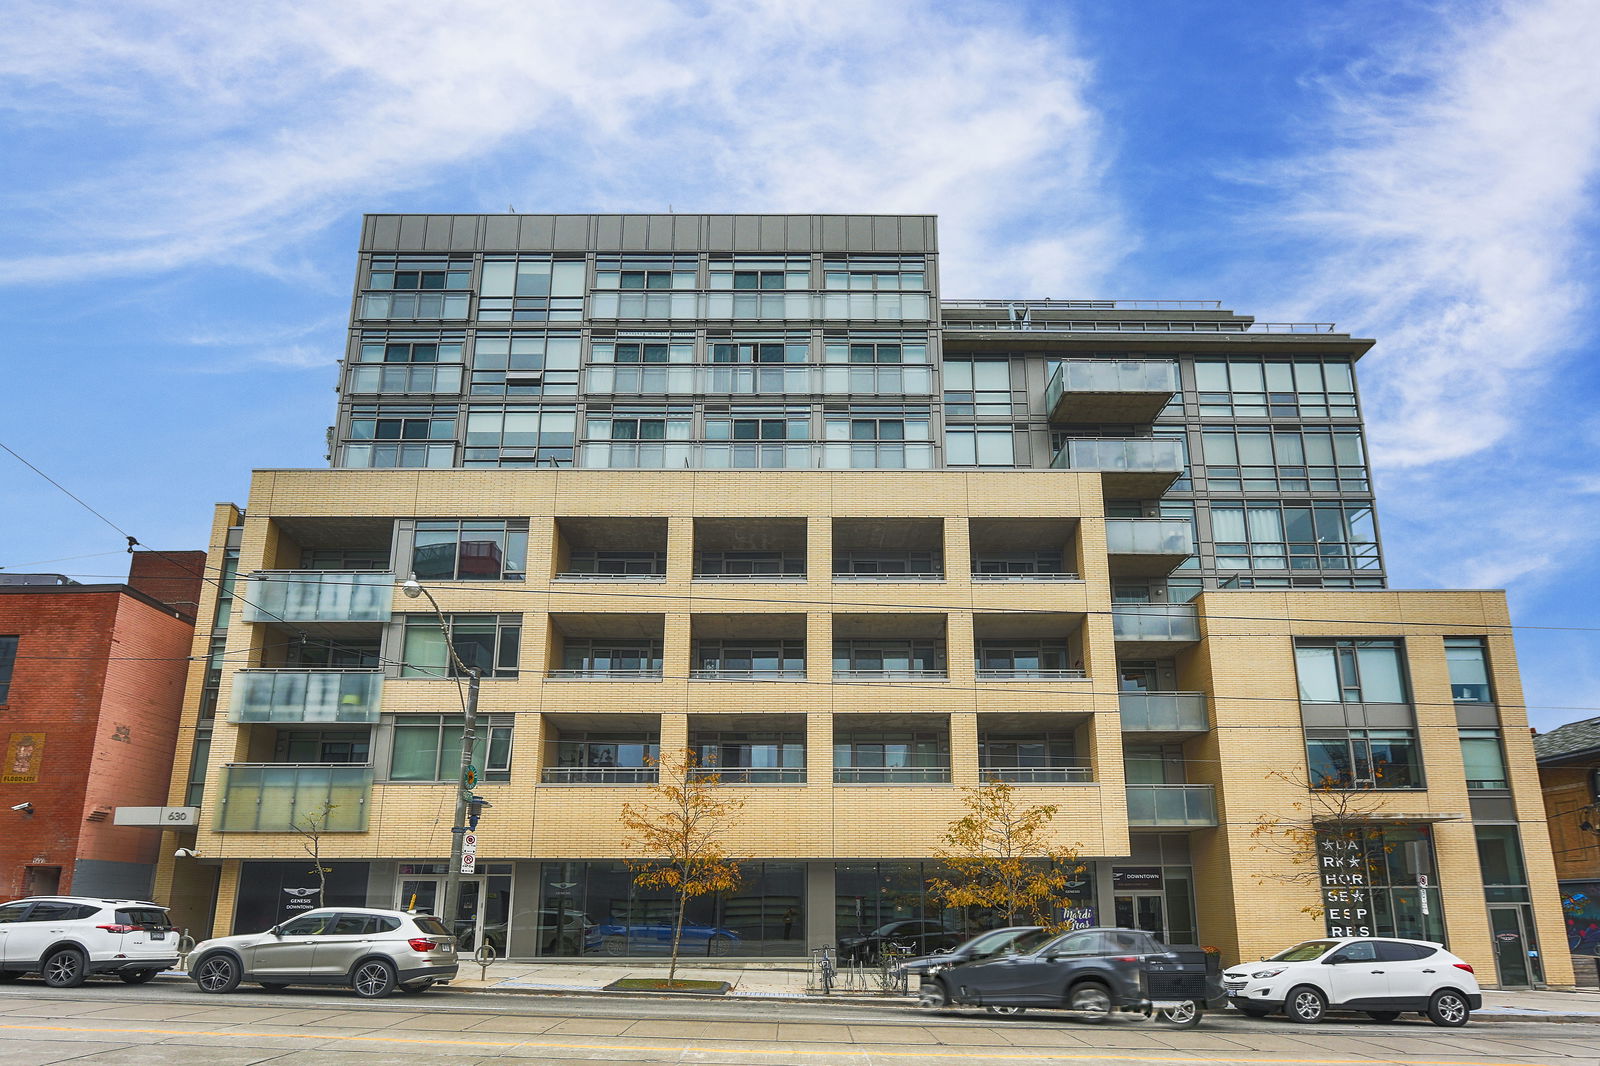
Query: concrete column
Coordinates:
[964,749]
[820,931]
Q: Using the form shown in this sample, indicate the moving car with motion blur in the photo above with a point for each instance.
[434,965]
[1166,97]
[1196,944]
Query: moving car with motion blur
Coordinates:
[911,936]
[1010,940]
[372,951]
[1378,976]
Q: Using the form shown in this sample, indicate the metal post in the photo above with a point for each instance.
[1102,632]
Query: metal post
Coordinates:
[458,828]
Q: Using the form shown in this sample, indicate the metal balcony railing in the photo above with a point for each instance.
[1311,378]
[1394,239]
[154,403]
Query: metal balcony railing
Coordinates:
[576,576]
[1038,575]
[1163,712]
[719,674]
[1038,775]
[889,674]
[888,578]
[586,673]
[891,775]
[1023,673]
[1172,805]
[599,775]
[278,797]
[753,775]
[1149,536]
[318,596]
[305,695]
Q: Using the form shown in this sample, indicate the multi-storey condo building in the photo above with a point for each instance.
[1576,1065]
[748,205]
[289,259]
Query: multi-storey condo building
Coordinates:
[749,485]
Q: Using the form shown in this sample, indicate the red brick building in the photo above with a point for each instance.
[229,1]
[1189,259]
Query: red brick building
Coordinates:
[91,686]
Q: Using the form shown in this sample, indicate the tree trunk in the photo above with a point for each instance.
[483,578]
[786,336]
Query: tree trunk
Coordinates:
[677,938]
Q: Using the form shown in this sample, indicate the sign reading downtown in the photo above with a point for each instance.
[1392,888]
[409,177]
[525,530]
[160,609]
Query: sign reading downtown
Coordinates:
[1346,895]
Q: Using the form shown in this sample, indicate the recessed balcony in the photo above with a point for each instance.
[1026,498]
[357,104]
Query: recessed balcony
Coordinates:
[1164,714]
[1172,806]
[1134,469]
[315,695]
[275,797]
[1148,547]
[1038,775]
[1103,390]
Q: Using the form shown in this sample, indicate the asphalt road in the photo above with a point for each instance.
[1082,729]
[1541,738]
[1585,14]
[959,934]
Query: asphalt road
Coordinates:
[110,1024]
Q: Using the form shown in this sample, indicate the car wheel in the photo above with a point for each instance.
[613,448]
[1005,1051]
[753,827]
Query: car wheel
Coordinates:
[136,977]
[373,979]
[421,984]
[932,997]
[1006,1012]
[1185,1015]
[719,945]
[1383,1015]
[1251,1012]
[66,968]
[216,973]
[1092,1002]
[1305,1004]
[1449,1008]
[615,944]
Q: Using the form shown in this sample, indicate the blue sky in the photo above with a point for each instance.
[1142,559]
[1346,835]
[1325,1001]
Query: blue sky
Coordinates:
[181,186]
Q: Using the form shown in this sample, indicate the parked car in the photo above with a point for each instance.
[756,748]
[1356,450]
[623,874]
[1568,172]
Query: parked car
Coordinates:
[68,938]
[1092,971]
[1011,940]
[624,938]
[913,936]
[373,951]
[1379,976]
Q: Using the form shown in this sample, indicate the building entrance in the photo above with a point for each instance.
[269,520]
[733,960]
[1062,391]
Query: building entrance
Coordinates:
[1146,911]
[482,912]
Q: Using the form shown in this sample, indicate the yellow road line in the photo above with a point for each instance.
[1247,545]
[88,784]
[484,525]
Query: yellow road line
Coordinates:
[964,1052]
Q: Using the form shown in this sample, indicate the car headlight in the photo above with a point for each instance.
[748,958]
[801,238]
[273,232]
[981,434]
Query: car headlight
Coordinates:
[1267,973]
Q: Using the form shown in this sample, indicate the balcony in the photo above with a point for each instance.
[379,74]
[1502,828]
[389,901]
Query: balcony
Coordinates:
[1038,775]
[1027,673]
[1172,805]
[1152,630]
[599,775]
[273,797]
[1148,547]
[891,775]
[890,673]
[305,696]
[752,775]
[747,674]
[606,673]
[1134,469]
[318,596]
[1100,390]
[1175,714]
[755,456]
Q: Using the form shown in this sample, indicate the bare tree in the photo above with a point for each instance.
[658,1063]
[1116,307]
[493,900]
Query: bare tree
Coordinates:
[1327,839]
[679,837]
[310,827]
[1004,858]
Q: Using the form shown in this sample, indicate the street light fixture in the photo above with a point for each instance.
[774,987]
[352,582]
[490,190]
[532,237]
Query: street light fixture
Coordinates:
[469,721]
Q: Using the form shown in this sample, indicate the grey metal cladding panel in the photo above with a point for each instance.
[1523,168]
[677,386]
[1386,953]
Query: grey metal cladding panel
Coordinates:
[608,232]
[886,233]
[860,239]
[835,233]
[500,233]
[688,232]
[413,233]
[719,233]
[634,230]
[800,228]
[660,236]
[1491,808]
[385,235]
[773,233]
[930,230]
[746,233]
[464,232]
[568,233]
[438,232]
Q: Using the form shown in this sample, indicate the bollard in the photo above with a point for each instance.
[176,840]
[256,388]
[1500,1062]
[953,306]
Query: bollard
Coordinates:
[483,957]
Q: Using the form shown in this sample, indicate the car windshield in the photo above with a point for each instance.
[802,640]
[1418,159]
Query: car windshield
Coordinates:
[1311,949]
[998,940]
[148,917]
[430,925]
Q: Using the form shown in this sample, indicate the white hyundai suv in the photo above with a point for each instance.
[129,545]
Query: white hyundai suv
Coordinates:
[68,938]
[1382,977]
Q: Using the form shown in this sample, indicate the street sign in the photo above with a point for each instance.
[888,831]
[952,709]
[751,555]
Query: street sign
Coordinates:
[469,862]
[469,841]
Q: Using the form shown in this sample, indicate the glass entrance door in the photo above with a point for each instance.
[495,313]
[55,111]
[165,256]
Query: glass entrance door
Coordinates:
[1146,911]
[423,894]
[1508,926]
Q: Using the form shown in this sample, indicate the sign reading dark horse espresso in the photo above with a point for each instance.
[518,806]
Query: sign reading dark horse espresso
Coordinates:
[1346,895]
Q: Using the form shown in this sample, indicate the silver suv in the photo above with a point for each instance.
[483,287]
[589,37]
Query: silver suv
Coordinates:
[372,951]
[67,938]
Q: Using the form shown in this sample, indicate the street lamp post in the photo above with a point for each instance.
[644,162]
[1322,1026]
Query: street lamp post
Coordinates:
[469,736]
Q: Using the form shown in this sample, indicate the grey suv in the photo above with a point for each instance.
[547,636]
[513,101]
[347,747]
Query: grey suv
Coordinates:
[372,951]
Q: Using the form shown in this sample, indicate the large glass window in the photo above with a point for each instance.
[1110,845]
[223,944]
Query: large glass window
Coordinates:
[642,423]
[1363,758]
[531,289]
[606,750]
[977,388]
[8,662]
[322,746]
[749,564]
[488,642]
[1285,460]
[1251,388]
[525,364]
[652,349]
[749,272]
[1275,536]
[979,446]
[760,423]
[1372,883]
[765,757]
[407,363]
[416,288]
[470,550]
[862,272]
[396,435]
[779,348]
[889,657]
[427,747]
[602,656]
[635,272]
[1468,660]
[1484,758]
[871,348]
[752,658]
[520,436]
[1351,671]
[877,755]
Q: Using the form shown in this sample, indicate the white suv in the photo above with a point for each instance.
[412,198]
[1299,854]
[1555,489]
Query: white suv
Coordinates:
[1381,977]
[67,938]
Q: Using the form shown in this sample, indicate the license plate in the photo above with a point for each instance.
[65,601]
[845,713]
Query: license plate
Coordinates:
[158,934]
[1235,991]
[446,947]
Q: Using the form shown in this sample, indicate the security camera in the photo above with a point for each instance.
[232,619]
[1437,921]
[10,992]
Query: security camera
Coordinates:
[186,853]
[25,807]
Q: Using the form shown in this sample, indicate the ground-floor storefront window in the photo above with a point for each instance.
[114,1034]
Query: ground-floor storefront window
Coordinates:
[272,892]
[483,910]
[1381,882]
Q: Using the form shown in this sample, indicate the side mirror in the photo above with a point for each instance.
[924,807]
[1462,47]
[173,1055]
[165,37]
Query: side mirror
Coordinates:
[1333,960]
[276,931]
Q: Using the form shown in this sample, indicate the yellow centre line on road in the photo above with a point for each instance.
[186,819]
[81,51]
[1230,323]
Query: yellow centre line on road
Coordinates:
[965,1052]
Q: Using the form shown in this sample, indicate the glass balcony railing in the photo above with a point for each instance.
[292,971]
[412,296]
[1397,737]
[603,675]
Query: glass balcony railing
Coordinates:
[305,696]
[752,775]
[1149,536]
[1027,673]
[1154,621]
[725,673]
[1106,376]
[1172,805]
[889,673]
[891,775]
[1164,712]
[599,775]
[1142,455]
[1038,775]
[679,455]
[760,380]
[606,673]
[276,797]
[318,596]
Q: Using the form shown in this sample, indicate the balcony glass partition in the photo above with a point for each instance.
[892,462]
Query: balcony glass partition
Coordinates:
[1142,455]
[1154,621]
[1104,375]
[1163,712]
[272,797]
[305,696]
[318,596]
[1172,805]
[682,455]
[1149,536]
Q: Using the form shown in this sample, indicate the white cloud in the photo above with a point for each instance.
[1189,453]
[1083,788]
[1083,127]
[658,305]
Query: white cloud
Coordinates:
[239,130]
